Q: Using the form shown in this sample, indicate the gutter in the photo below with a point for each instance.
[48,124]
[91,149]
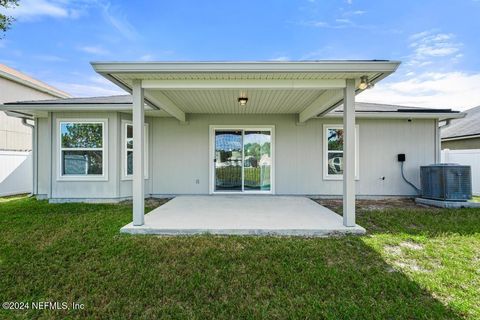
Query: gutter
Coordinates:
[108,67]
[471,136]
[448,121]
[399,115]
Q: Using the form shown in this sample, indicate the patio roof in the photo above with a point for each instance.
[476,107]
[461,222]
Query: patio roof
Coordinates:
[307,88]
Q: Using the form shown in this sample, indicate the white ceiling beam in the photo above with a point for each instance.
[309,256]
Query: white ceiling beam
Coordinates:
[163,102]
[320,84]
[323,102]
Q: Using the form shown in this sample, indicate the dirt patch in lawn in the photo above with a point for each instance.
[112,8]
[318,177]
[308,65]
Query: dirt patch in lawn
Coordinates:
[366,205]
[150,203]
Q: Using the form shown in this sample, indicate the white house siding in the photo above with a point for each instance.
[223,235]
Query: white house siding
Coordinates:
[179,155]
[13,134]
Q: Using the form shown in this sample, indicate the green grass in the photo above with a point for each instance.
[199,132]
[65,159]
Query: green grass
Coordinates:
[476,199]
[413,264]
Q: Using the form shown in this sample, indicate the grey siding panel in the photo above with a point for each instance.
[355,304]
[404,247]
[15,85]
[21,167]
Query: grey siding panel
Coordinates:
[381,141]
[473,143]
[179,156]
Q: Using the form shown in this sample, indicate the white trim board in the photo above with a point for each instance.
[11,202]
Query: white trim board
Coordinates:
[105,168]
[325,174]
[124,175]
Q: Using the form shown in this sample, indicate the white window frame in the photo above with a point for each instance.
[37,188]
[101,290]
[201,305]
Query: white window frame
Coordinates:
[104,149]
[326,175]
[126,176]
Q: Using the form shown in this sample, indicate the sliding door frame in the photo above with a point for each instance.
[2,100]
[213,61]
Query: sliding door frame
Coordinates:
[211,158]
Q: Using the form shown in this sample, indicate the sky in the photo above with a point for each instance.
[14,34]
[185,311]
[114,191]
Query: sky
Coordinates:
[437,41]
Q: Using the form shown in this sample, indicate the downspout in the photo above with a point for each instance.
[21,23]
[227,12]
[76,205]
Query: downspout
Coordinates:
[447,123]
[34,154]
[25,123]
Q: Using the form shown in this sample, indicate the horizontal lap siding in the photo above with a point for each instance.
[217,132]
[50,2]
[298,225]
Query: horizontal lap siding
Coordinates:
[180,154]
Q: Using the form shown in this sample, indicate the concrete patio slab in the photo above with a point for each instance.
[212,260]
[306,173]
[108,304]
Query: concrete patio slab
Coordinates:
[242,215]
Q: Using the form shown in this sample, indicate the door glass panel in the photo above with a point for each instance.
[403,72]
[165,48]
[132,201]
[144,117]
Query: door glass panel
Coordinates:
[228,160]
[258,160]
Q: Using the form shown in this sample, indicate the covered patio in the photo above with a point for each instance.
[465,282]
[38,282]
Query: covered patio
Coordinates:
[306,89]
[243,215]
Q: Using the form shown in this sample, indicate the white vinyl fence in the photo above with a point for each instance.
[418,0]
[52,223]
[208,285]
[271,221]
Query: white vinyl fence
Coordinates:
[466,157]
[15,172]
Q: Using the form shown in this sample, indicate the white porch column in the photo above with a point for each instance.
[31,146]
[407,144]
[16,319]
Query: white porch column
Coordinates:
[138,183]
[349,154]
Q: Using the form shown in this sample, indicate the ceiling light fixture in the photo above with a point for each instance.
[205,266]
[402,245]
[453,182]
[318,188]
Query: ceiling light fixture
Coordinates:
[243,101]
[364,83]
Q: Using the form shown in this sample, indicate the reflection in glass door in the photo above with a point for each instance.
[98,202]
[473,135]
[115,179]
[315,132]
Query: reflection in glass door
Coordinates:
[257,162]
[243,160]
[228,160]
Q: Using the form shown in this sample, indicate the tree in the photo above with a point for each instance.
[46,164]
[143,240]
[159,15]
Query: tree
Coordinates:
[82,135]
[5,20]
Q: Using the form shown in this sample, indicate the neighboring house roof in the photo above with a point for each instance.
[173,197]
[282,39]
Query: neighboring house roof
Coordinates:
[19,77]
[467,127]
[361,108]
[378,107]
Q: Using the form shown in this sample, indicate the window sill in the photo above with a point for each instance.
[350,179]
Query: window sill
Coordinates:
[124,178]
[82,178]
[337,178]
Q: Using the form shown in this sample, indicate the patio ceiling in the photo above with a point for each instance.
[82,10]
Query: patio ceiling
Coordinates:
[305,88]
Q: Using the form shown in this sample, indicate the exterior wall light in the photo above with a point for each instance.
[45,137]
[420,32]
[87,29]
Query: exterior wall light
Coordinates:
[243,101]
[364,83]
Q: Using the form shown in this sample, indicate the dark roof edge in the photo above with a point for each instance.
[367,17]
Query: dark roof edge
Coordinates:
[465,136]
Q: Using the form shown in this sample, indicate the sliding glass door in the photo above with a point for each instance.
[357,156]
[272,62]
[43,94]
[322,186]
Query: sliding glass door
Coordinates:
[257,161]
[228,160]
[243,160]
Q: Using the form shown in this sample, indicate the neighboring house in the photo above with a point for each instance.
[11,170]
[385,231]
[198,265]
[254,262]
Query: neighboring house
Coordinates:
[17,86]
[463,133]
[187,126]
[15,136]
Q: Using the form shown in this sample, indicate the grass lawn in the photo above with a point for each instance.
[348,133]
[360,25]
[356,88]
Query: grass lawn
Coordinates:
[414,263]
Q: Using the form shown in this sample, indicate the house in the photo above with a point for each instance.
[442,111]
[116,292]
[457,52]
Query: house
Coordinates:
[16,133]
[463,133]
[17,86]
[187,126]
